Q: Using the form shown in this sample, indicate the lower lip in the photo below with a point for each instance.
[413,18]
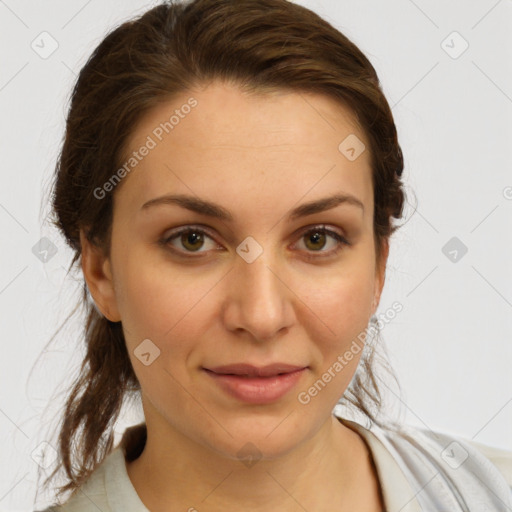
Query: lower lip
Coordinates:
[257,390]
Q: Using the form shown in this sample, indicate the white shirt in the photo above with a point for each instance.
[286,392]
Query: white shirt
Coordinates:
[418,471]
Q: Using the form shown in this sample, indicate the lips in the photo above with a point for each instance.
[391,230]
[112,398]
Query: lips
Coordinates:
[256,385]
[248,370]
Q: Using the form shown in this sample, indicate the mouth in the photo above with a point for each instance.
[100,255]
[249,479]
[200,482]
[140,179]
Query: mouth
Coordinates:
[256,385]
[248,370]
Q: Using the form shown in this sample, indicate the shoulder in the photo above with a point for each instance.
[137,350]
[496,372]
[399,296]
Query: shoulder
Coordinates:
[500,458]
[109,487]
[92,495]
[471,472]
[456,451]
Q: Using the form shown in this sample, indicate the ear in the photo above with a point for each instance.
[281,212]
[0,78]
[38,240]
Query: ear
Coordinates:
[98,276]
[380,274]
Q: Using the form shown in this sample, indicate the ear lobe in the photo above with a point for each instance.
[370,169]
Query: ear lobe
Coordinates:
[98,276]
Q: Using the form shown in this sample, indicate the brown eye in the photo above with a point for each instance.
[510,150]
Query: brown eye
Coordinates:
[318,238]
[189,240]
[315,240]
[192,240]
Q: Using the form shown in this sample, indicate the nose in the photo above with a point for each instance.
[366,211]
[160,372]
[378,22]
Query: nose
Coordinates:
[258,300]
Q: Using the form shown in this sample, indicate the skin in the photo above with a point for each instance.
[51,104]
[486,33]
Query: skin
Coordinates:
[258,157]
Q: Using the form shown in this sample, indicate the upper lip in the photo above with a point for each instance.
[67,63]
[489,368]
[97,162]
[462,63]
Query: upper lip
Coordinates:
[254,371]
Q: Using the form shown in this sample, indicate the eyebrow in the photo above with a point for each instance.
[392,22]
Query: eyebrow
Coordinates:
[211,209]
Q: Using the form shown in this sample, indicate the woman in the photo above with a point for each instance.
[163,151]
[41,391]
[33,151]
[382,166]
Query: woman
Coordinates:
[228,181]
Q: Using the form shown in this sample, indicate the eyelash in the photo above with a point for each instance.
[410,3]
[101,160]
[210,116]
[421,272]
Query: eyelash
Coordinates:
[311,254]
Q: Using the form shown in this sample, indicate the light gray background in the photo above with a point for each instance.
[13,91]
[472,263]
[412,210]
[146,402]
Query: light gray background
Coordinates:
[451,345]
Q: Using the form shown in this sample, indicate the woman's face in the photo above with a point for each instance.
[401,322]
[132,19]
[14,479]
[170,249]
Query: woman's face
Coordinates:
[259,286]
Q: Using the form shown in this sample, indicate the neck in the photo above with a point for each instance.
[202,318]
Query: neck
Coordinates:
[324,472]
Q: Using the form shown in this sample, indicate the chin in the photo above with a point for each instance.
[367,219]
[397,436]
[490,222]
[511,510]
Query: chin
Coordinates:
[258,439]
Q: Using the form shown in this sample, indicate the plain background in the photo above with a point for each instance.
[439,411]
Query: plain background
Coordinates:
[451,346]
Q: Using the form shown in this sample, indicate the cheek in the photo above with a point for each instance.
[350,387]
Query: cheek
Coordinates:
[166,305]
[337,330]
[341,301]
[338,309]
[166,309]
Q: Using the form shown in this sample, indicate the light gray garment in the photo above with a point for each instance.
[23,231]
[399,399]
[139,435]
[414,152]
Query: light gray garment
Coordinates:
[418,470]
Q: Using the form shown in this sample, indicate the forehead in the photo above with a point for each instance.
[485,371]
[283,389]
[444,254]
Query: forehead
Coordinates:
[260,147]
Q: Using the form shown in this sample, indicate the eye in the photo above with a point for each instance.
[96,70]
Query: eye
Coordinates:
[317,238]
[189,239]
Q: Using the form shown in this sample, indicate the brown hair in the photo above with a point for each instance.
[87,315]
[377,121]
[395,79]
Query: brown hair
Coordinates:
[260,45]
